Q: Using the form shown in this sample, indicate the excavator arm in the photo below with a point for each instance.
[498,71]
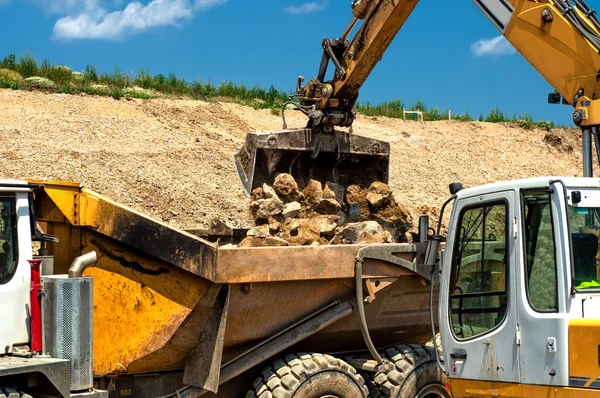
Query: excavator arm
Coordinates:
[559,38]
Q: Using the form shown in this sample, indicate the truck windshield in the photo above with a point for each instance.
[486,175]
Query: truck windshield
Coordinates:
[585,230]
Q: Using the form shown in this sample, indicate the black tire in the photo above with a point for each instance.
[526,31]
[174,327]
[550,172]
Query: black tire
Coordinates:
[415,374]
[13,393]
[309,376]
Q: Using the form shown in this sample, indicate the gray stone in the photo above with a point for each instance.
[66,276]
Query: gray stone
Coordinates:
[337,190]
[269,192]
[259,232]
[341,218]
[291,210]
[265,208]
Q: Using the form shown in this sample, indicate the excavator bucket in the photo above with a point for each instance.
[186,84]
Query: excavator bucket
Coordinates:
[339,157]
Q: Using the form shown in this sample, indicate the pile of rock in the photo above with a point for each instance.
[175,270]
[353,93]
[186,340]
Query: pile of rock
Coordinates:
[324,214]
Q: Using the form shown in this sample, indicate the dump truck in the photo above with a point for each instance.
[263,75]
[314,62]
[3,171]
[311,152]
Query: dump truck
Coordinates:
[133,307]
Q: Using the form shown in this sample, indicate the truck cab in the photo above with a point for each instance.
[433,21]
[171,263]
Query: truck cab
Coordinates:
[15,272]
[519,309]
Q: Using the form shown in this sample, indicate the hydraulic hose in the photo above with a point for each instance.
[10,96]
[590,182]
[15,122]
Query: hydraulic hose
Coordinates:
[578,23]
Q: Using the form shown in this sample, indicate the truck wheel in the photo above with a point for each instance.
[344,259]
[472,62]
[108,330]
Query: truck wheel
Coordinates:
[309,376]
[416,374]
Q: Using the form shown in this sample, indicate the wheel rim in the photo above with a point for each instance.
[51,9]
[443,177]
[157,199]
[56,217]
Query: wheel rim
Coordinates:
[432,391]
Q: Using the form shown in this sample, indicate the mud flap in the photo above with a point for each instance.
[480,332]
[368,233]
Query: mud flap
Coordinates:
[203,364]
[306,154]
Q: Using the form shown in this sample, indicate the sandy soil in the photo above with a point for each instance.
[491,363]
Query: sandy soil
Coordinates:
[172,159]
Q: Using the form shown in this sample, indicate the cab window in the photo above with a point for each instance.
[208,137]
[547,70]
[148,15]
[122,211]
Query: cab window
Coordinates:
[478,283]
[540,256]
[8,239]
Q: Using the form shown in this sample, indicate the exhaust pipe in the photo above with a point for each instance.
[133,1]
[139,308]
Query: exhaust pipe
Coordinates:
[81,263]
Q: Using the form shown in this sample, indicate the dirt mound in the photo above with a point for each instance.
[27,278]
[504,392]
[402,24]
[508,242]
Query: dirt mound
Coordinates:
[172,159]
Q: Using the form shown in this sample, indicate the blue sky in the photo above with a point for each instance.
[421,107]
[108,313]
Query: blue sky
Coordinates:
[435,57]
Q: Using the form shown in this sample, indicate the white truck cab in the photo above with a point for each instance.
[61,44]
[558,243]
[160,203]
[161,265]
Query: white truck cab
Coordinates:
[520,286]
[15,271]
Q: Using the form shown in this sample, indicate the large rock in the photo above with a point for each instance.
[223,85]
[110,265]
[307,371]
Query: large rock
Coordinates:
[253,241]
[287,188]
[269,192]
[362,232]
[356,198]
[313,193]
[328,206]
[379,194]
[262,209]
[258,194]
[334,191]
[291,210]
[300,232]
[326,225]
[394,215]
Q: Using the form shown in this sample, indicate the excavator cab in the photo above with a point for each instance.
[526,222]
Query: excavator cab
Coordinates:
[310,153]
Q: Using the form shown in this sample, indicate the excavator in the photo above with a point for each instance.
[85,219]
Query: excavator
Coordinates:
[559,38]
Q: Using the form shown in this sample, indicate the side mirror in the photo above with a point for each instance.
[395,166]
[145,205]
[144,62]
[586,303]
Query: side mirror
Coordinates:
[431,252]
[423,228]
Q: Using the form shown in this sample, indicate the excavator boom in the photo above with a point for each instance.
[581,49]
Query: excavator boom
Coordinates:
[559,38]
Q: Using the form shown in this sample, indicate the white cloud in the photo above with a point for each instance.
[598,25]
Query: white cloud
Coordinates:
[306,7]
[90,19]
[495,46]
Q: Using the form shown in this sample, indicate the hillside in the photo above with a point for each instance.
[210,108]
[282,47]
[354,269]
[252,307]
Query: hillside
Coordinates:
[172,159]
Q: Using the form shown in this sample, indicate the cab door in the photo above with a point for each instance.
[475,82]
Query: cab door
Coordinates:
[15,272]
[478,317]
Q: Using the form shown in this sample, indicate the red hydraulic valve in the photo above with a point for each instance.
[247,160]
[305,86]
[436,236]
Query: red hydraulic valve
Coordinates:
[36,311]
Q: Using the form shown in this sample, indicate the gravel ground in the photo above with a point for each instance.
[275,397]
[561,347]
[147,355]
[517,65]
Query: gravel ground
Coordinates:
[172,159]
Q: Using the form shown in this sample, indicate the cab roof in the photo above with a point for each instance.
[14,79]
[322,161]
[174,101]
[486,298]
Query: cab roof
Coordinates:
[528,183]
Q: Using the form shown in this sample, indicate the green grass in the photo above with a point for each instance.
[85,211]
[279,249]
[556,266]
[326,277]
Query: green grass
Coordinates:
[394,109]
[17,74]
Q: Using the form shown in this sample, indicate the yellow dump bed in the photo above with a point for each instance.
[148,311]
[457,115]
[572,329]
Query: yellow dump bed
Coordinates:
[155,286]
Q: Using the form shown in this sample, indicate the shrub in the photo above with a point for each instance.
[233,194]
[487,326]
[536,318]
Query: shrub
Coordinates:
[60,74]
[9,75]
[90,74]
[143,79]
[10,62]
[97,89]
[39,82]
[78,78]
[45,68]
[118,79]
[140,92]
[28,66]
[496,116]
